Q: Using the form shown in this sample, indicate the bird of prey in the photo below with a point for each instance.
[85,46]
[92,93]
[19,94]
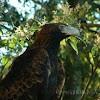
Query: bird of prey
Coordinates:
[38,73]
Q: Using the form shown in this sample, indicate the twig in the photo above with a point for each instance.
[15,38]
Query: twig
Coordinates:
[94,31]
[6,28]
[48,9]
[89,81]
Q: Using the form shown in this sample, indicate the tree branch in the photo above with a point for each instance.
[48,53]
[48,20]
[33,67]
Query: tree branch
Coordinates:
[47,9]
[89,81]
[89,25]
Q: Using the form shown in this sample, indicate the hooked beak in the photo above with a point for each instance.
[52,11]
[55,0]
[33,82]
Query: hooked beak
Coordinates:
[68,30]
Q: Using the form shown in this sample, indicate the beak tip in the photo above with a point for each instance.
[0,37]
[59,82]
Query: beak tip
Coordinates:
[76,32]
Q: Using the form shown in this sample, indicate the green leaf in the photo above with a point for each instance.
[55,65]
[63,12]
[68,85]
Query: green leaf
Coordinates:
[91,58]
[0,32]
[59,14]
[69,20]
[6,66]
[35,27]
[22,42]
[64,54]
[71,58]
[81,39]
[4,42]
[73,43]
[12,44]
[81,13]
[95,51]
[5,59]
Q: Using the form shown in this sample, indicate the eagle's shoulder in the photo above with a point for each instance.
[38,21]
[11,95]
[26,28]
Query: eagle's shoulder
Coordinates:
[28,59]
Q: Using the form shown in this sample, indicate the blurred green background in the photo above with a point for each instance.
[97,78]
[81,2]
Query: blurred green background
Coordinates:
[20,20]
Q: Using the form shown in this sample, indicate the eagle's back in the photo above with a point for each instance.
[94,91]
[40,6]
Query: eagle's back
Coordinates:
[25,75]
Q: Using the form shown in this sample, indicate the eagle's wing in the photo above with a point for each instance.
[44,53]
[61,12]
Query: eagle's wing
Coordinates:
[61,80]
[28,72]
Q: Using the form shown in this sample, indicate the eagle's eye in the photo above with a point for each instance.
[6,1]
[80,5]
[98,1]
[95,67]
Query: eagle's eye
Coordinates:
[61,27]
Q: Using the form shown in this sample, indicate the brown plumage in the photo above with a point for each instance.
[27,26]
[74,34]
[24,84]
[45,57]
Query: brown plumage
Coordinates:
[38,73]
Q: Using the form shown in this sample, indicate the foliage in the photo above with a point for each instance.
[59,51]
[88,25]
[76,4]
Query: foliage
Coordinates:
[80,55]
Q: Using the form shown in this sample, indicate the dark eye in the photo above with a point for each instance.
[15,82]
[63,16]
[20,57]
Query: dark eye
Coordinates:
[61,27]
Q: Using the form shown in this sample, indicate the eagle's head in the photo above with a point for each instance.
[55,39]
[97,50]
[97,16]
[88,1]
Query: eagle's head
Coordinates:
[51,34]
[58,31]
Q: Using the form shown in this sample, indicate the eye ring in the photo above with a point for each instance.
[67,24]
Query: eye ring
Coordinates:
[61,27]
